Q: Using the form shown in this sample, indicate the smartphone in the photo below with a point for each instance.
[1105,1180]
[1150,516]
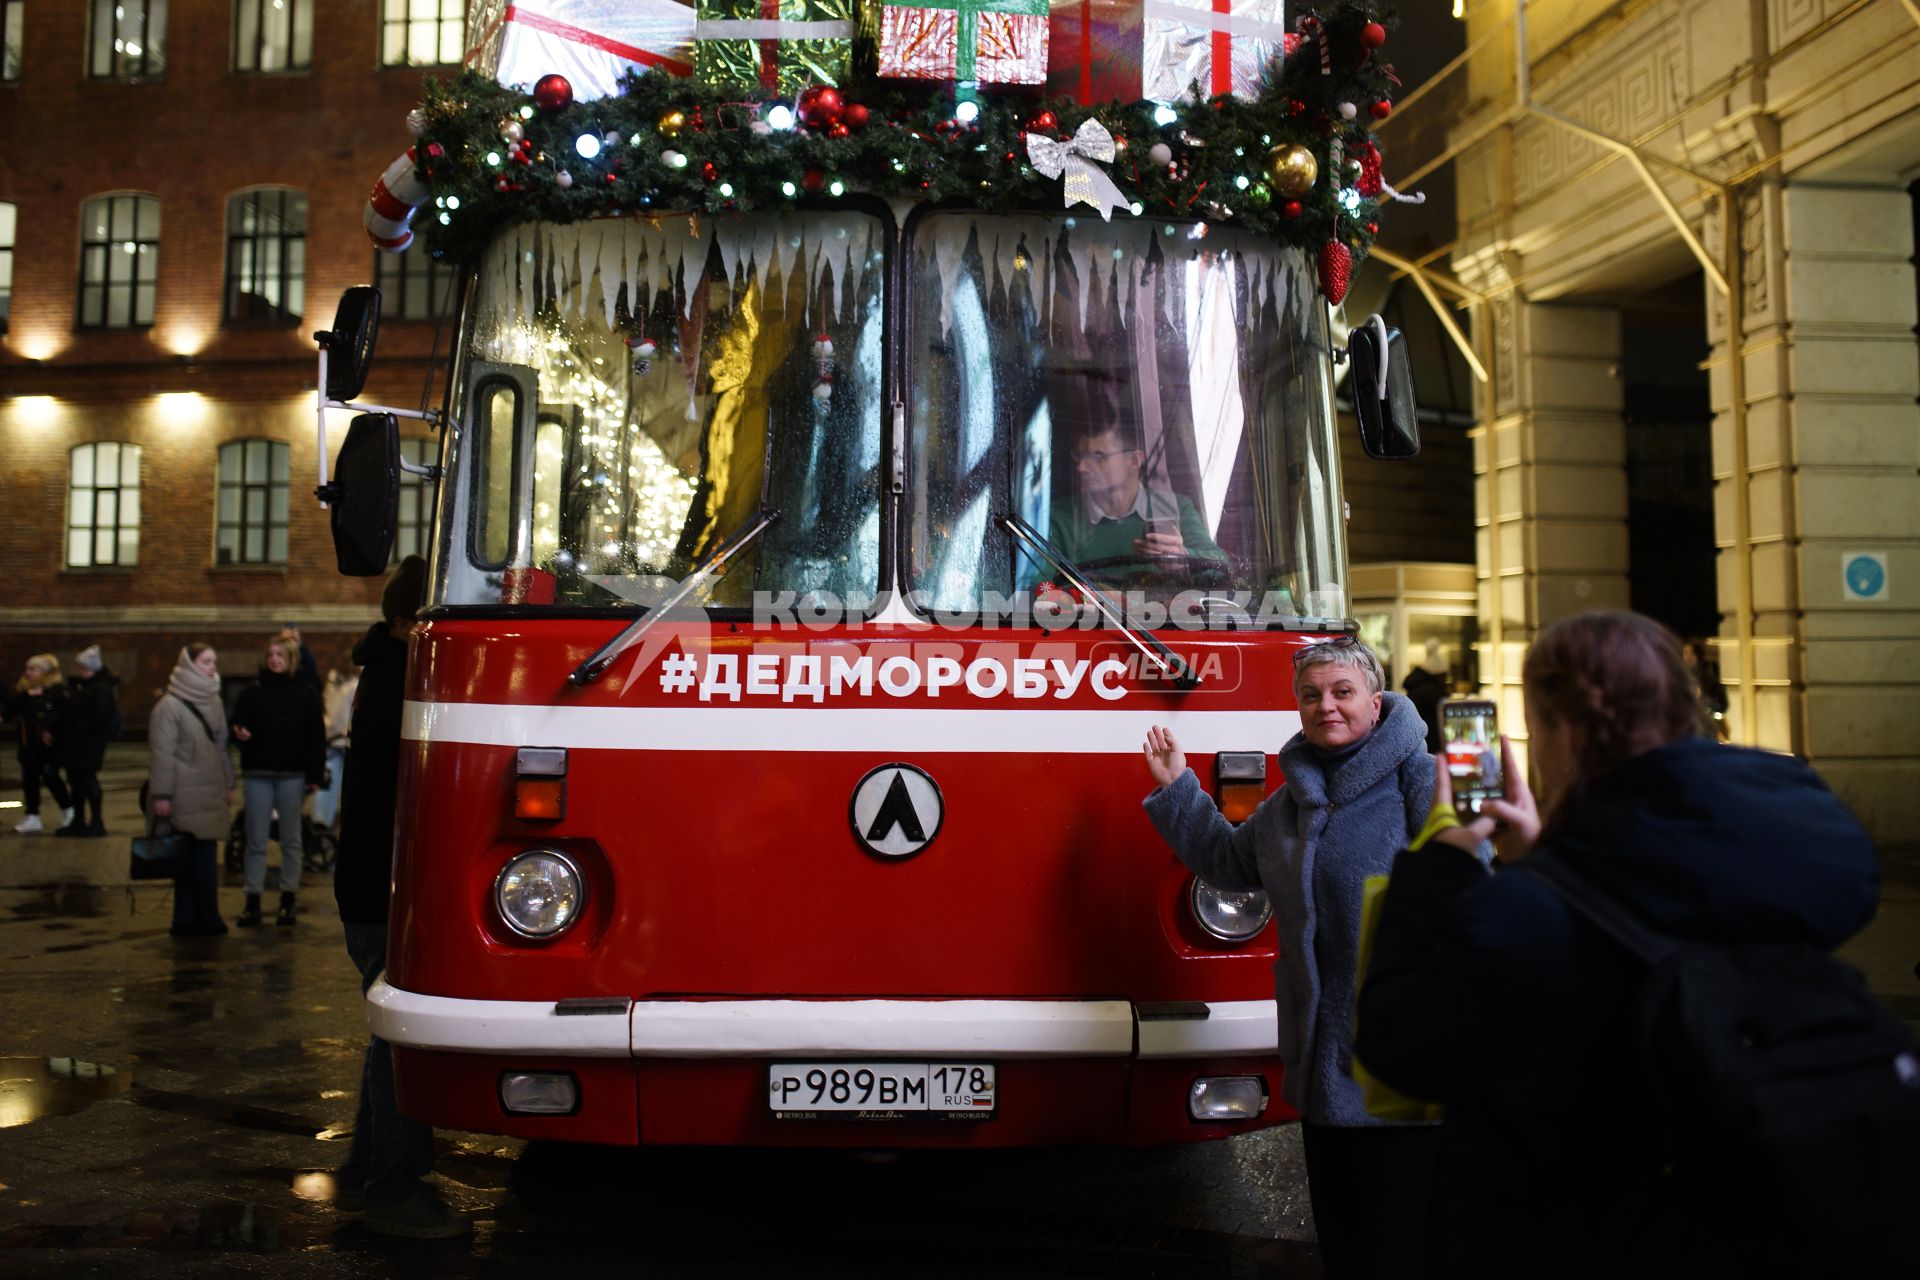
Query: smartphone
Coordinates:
[1470,738]
[1168,526]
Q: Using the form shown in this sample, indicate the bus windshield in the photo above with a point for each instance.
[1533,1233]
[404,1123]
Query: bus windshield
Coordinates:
[675,362]
[1152,398]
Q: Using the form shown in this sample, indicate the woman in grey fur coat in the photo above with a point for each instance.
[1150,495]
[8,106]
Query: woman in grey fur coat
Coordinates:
[190,777]
[1359,783]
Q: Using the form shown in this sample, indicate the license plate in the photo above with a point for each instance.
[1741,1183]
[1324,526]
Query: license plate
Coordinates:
[881,1090]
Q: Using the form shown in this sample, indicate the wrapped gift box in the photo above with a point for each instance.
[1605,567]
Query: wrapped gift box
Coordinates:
[593,43]
[784,45]
[1132,49]
[989,41]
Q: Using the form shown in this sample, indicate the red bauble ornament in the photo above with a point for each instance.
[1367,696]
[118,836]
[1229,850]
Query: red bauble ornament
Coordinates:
[821,106]
[1373,35]
[1292,209]
[1373,228]
[1336,270]
[813,182]
[838,129]
[1381,109]
[1045,122]
[855,116]
[709,171]
[552,93]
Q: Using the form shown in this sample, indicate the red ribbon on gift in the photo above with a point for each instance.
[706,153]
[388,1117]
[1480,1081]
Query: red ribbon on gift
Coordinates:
[769,49]
[580,35]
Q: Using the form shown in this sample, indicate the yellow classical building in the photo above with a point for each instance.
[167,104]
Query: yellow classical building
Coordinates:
[1763,153]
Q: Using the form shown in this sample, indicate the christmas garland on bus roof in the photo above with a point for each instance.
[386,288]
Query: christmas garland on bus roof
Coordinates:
[1296,163]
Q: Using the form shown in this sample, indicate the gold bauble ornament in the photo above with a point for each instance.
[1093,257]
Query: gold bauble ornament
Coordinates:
[1293,168]
[671,123]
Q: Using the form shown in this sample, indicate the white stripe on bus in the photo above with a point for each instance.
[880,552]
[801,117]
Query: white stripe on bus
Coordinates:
[1024,731]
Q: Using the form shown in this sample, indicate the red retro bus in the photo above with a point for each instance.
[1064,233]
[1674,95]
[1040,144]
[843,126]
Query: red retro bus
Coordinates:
[803,584]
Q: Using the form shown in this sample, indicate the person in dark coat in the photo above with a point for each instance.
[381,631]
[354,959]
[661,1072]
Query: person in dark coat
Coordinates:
[1358,783]
[281,729]
[391,1155]
[1427,687]
[1489,994]
[79,735]
[32,706]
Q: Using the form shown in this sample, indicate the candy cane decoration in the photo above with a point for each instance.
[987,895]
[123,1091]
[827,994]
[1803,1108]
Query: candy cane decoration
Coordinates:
[391,205]
[1310,29]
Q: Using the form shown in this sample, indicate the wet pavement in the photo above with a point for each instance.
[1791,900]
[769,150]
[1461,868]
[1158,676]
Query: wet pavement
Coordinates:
[172,1108]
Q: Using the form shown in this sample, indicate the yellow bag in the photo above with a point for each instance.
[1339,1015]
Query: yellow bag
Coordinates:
[1379,1100]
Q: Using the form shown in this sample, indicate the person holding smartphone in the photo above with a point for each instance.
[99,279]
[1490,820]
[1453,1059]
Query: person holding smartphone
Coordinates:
[1359,781]
[1489,994]
[1116,515]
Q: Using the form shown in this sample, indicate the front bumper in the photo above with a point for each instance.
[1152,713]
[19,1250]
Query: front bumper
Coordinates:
[698,1029]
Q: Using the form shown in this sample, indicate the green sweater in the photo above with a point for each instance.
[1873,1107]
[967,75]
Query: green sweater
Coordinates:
[1082,540]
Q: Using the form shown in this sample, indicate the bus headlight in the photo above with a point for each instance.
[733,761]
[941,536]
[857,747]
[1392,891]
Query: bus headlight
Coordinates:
[1230,917]
[539,893]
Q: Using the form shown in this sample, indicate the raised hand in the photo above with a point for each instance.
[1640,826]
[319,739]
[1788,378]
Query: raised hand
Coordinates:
[1165,760]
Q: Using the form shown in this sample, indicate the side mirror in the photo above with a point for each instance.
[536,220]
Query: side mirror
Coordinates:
[365,495]
[1382,382]
[349,344]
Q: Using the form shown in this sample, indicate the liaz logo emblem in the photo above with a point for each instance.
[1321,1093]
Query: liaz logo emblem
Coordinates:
[896,811]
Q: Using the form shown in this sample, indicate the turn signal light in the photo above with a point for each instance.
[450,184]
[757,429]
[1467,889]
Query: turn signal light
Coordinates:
[1239,783]
[540,784]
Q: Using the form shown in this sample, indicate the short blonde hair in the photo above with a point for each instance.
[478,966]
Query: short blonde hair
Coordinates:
[1342,651]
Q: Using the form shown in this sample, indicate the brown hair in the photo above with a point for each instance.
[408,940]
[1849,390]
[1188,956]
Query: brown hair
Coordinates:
[1618,679]
[197,648]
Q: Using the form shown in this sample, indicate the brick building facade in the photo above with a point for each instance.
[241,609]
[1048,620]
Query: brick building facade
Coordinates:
[186,332]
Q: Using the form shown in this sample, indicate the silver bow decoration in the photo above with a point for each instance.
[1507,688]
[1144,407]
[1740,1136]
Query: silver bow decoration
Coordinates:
[1083,182]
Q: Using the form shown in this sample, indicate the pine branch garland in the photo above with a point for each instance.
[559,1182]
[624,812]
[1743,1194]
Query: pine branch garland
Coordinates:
[910,147]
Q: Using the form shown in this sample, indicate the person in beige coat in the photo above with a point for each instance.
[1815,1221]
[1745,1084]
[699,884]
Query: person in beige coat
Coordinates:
[190,778]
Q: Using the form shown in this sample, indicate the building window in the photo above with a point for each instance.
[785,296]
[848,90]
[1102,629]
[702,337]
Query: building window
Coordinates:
[266,256]
[10,20]
[119,257]
[103,505]
[416,500]
[128,39]
[421,33]
[413,286]
[272,35]
[7,216]
[251,521]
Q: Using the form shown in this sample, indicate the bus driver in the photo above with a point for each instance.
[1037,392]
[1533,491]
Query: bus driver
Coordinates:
[1117,516]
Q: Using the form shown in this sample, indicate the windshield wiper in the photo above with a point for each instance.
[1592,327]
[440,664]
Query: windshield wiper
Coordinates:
[596,666]
[1172,664]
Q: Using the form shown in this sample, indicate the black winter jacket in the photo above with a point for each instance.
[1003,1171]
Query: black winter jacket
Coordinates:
[84,721]
[369,798]
[1486,992]
[286,726]
[31,716]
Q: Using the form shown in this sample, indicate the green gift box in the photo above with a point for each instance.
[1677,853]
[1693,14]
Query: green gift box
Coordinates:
[781,45]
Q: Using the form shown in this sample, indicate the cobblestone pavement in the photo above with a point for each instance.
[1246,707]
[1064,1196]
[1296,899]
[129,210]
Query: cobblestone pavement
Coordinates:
[172,1107]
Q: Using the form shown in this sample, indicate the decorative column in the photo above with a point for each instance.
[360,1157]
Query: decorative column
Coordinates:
[1550,486]
[1817,506]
